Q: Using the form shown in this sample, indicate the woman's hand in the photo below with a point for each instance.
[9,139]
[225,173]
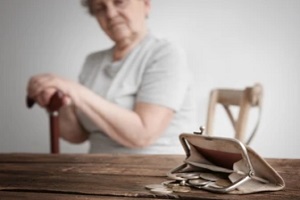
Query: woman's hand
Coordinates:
[43,86]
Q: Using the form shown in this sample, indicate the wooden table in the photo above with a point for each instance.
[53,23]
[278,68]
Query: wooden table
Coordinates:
[91,177]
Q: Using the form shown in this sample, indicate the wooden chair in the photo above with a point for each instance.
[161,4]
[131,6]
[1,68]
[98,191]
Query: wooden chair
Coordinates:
[244,100]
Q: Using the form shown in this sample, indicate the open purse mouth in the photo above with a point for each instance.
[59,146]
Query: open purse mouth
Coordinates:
[223,165]
[216,151]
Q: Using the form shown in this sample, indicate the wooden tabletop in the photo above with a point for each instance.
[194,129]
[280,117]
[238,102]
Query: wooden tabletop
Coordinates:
[99,176]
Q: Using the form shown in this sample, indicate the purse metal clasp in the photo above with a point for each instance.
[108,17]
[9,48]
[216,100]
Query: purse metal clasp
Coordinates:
[202,130]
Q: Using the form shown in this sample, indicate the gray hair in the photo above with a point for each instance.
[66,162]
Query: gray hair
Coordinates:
[88,5]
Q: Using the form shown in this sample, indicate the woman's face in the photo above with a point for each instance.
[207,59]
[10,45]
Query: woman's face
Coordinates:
[121,19]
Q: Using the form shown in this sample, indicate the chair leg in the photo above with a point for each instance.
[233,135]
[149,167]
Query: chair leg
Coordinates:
[211,112]
[242,118]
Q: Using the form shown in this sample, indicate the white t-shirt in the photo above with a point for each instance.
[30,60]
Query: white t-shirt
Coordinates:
[156,72]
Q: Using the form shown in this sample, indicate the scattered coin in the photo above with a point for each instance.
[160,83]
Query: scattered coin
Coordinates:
[161,191]
[181,189]
[170,184]
[223,182]
[175,177]
[214,185]
[198,182]
[182,183]
[188,175]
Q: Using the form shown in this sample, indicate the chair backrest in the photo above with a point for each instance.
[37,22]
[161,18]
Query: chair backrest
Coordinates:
[244,99]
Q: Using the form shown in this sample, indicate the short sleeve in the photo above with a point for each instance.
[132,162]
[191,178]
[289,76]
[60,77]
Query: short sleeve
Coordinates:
[87,68]
[167,78]
[90,66]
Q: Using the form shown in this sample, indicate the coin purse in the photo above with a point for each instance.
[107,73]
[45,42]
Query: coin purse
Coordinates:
[224,165]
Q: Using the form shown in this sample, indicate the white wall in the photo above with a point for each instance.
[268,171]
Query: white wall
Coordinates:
[232,43]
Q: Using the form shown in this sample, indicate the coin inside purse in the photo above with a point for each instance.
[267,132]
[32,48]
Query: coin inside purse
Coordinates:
[212,159]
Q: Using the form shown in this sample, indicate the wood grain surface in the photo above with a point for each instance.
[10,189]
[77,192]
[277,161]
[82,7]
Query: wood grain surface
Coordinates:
[71,176]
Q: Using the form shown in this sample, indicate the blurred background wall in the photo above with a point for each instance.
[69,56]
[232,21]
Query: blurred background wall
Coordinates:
[230,44]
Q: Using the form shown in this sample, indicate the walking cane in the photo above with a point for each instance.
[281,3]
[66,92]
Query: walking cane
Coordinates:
[53,110]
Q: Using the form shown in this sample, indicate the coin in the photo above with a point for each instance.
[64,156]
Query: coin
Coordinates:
[175,177]
[183,182]
[161,191]
[198,182]
[170,184]
[214,185]
[188,175]
[223,182]
[181,189]
[153,186]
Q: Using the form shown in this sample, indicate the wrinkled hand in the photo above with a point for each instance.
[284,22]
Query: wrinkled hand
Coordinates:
[42,87]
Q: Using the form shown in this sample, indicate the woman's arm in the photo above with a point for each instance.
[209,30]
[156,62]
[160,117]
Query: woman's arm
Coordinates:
[70,128]
[133,129]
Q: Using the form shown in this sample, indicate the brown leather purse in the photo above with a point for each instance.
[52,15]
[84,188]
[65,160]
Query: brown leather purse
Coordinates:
[224,165]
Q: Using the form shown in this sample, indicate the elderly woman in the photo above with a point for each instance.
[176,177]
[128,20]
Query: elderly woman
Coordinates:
[132,98]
